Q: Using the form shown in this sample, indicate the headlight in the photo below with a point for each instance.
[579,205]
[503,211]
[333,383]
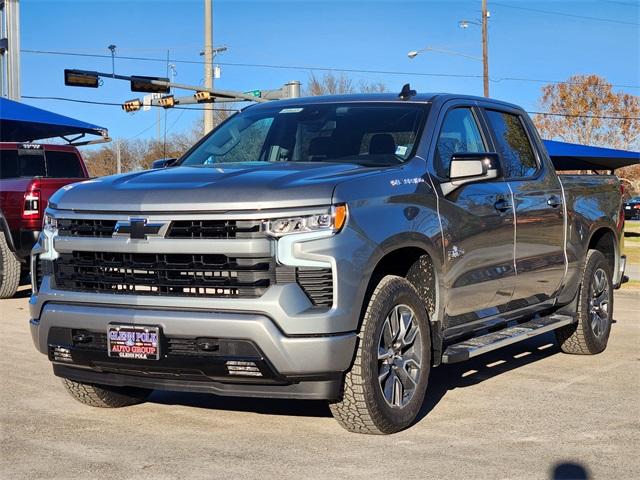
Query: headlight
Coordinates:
[333,220]
[50,224]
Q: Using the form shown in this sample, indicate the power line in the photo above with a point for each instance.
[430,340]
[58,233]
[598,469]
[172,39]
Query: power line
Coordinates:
[572,15]
[320,68]
[77,100]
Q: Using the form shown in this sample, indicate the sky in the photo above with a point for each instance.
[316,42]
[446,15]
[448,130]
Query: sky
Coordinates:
[534,40]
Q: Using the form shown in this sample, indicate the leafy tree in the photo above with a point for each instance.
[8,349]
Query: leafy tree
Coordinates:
[585,100]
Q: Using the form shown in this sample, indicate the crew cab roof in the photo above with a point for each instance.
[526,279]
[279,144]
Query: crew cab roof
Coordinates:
[380,97]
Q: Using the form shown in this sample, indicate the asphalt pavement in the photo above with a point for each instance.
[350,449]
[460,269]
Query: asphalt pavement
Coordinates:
[525,412]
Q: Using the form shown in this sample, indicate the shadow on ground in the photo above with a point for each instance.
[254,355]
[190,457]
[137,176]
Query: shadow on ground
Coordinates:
[569,471]
[443,379]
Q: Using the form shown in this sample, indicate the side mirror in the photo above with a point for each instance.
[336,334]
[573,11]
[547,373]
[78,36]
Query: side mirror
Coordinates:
[471,167]
[164,162]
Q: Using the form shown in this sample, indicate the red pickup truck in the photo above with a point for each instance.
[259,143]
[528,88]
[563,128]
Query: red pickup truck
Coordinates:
[29,174]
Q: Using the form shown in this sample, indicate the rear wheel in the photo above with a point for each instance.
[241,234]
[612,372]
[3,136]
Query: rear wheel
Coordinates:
[590,334]
[10,273]
[385,388]
[105,396]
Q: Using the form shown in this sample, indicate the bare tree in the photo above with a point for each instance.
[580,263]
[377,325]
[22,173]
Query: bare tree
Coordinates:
[331,84]
[139,154]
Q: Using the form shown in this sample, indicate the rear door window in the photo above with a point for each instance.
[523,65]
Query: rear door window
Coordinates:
[63,165]
[518,157]
[16,164]
[9,164]
[34,163]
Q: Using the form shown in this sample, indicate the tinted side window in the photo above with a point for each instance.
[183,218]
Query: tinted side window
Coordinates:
[513,142]
[9,164]
[31,164]
[459,134]
[63,165]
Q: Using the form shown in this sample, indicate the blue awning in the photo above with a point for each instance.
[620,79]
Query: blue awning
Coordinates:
[24,123]
[571,156]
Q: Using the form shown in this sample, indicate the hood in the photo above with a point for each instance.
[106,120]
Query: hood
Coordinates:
[229,187]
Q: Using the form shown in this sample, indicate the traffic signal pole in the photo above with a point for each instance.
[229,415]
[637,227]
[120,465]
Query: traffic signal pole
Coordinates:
[208,62]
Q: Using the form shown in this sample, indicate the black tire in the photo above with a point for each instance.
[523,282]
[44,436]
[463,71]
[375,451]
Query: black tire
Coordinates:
[588,336]
[363,407]
[10,273]
[105,396]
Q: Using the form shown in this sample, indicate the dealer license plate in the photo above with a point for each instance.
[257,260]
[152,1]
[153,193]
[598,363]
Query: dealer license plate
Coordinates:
[134,342]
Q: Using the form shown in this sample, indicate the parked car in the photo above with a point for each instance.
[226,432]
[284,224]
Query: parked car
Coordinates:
[29,174]
[333,248]
[632,209]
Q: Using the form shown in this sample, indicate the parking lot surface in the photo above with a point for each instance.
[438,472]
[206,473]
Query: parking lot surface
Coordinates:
[527,411]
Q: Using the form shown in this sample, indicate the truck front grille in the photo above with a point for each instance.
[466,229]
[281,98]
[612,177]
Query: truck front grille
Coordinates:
[80,227]
[213,229]
[183,229]
[163,274]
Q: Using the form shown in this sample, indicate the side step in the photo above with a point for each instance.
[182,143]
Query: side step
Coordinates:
[473,347]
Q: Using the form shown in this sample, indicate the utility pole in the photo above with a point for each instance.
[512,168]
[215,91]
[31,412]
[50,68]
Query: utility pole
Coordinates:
[10,49]
[118,158]
[485,48]
[208,62]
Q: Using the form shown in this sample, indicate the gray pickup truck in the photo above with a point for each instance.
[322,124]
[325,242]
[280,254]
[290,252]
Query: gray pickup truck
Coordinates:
[332,248]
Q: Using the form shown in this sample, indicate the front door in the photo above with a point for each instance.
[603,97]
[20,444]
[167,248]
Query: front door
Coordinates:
[478,228]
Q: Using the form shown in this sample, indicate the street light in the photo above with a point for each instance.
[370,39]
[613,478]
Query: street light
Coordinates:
[464,24]
[415,53]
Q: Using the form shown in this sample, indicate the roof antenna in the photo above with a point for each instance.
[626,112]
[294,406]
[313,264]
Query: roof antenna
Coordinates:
[406,92]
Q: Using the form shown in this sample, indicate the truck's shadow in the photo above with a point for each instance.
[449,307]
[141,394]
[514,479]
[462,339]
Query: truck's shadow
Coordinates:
[443,379]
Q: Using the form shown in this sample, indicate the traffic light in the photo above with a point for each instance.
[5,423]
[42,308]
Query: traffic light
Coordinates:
[143,84]
[203,97]
[167,102]
[132,105]
[81,78]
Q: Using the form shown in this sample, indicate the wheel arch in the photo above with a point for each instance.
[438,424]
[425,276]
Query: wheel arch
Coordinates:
[397,257]
[604,240]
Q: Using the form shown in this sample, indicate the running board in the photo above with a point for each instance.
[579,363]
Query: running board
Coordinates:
[473,347]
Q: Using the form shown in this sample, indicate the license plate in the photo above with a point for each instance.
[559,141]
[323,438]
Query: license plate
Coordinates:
[134,342]
[628,207]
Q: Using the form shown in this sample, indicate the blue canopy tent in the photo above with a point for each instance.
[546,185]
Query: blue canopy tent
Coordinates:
[571,156]
[24,123]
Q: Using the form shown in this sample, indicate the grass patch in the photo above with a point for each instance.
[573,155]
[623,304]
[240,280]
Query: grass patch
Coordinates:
[632,253]
[632,229]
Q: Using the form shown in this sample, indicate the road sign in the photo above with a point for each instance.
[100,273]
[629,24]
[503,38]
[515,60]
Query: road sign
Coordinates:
[255,93]
[147,99]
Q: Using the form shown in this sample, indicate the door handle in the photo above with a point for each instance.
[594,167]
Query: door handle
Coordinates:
[502,205]
[553,201]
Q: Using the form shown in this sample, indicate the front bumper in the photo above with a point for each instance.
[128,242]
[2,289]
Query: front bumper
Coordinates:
[295,366]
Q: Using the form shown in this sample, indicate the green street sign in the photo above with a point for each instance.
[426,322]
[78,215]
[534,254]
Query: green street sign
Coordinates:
[255,93]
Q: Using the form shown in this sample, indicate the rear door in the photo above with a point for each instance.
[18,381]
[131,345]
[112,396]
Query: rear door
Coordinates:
[537,193]
[477,223]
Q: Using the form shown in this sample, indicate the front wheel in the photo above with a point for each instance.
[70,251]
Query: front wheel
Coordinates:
[590,333]
[384,390]
[105,396]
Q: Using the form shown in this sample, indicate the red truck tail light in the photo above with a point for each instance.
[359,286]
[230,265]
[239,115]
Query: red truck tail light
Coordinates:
[31,208]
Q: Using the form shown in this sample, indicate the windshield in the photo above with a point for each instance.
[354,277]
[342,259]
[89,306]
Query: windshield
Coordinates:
[364,133]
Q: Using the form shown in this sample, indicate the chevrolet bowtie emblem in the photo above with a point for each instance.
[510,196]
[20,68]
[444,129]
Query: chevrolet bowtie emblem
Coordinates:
[138,228]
